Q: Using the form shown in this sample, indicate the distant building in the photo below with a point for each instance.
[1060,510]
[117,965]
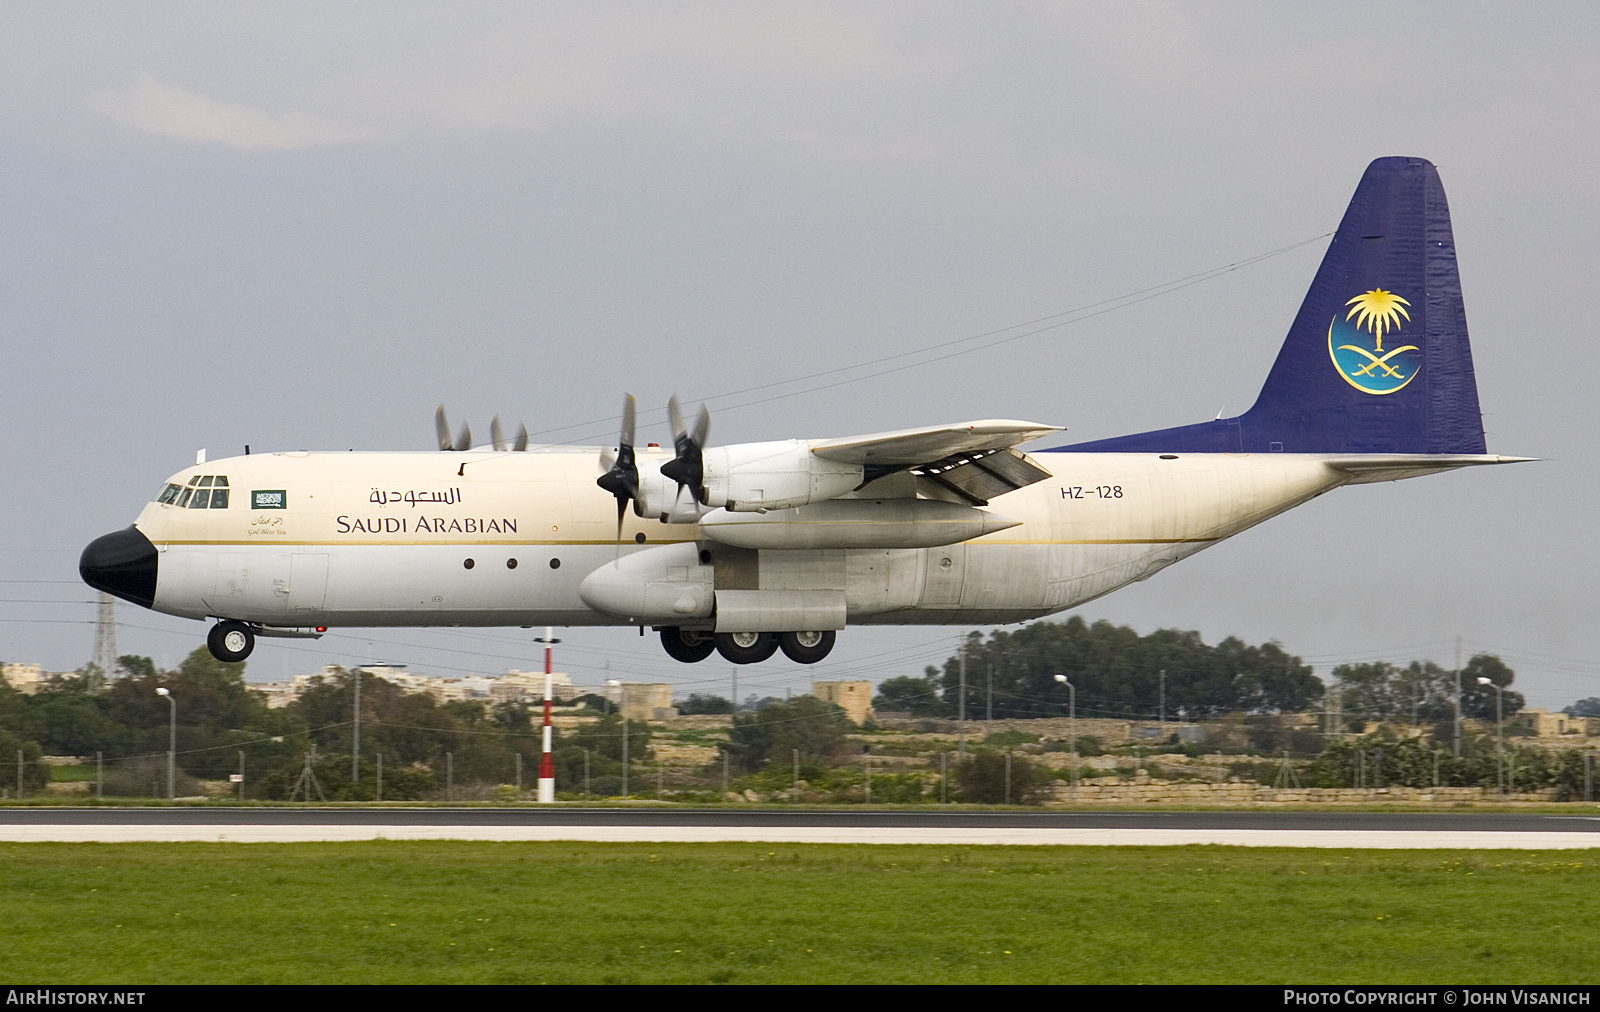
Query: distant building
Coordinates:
[528,687]
[25,678]
[283,693]
[855,698]
[1546,724]
[643,700]
[512,687]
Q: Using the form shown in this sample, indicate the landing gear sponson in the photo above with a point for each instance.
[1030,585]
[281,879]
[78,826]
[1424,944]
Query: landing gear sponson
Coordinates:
[691,645]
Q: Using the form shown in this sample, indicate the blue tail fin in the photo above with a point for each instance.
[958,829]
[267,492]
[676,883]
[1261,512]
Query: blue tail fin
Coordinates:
[1377,360]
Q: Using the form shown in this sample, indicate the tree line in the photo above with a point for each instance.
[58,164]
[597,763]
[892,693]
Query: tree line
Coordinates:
[1118,673]
[427,747]
[425,744]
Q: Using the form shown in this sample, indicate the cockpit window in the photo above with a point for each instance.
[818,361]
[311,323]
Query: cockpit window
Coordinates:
[203,492]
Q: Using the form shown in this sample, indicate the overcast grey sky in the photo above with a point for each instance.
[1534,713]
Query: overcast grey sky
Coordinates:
[304,226]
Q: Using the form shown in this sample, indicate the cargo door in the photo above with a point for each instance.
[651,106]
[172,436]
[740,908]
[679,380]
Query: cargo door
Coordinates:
[308,580]
[943,573]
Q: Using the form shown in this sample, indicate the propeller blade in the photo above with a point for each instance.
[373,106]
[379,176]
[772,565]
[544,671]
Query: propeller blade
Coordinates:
[702,427]
[608,460]
[687,467]
[463,438]
[621,478]
[675,416]
[496,436]
[522,438]
[442,427]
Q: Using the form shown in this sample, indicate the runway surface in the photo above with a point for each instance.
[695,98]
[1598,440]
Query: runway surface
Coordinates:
[1449,830]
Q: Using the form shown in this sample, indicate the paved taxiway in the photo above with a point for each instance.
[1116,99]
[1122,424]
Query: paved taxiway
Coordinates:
[1453,830]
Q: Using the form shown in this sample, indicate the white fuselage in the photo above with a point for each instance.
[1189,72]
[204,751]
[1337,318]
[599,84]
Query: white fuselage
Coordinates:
[483,538]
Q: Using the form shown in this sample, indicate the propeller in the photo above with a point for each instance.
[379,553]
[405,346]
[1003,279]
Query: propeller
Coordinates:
[688,467]
[442,427]
[463,441]
[497,436]
[621,477]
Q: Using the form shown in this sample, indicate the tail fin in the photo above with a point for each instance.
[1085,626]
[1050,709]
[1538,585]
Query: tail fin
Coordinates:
[1377,360]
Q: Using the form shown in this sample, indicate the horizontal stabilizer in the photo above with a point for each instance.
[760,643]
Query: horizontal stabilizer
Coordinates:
[1370,467]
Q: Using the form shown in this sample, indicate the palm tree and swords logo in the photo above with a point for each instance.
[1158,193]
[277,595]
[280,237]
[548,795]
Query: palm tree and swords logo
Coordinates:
[1374,370]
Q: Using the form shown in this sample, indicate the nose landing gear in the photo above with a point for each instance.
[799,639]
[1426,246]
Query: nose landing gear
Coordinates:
[230,641]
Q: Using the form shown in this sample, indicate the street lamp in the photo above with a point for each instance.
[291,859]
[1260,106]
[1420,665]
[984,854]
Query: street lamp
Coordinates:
[1072,729]
[172,744]
[622,708]
[1499,734]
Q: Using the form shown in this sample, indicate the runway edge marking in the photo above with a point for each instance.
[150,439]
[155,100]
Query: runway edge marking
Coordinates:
[1356,839]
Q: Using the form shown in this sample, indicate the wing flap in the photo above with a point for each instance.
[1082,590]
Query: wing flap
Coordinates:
[913,447]
[978,477]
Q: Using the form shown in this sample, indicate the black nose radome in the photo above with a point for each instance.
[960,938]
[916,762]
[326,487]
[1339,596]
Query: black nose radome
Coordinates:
[123,564]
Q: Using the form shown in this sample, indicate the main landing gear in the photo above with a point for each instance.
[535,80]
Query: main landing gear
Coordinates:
[691,645]
[687,645]
[230,641]
[806,647]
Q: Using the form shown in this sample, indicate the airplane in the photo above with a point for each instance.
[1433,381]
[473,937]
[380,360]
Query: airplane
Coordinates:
[752,548]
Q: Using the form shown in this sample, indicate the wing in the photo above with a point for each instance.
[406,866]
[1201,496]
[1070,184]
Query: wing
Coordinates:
[906,447]
[966,462]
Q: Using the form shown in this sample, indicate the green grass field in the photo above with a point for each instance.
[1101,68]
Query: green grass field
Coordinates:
[72,774]
[443,912]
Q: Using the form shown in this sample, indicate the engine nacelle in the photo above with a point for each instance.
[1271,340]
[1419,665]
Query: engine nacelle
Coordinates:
[747,477]
[659,497]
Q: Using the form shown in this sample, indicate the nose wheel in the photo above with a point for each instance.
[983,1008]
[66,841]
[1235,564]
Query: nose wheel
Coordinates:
[230,642]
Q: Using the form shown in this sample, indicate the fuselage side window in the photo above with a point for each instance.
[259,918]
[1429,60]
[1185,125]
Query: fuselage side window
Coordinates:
[169,494]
